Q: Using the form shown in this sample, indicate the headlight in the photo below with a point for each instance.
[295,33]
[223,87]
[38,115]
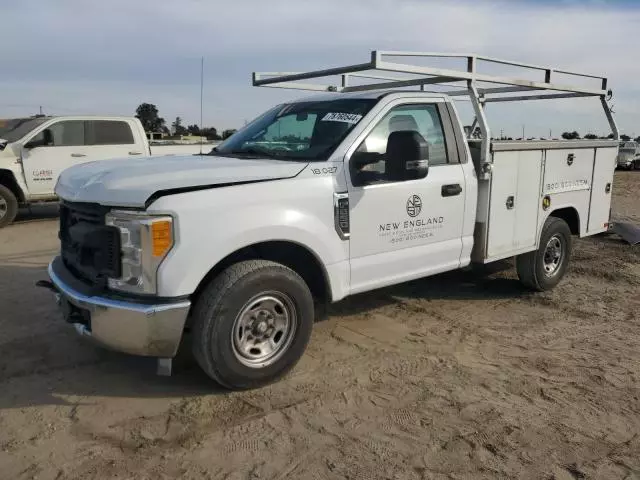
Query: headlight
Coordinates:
[145,242]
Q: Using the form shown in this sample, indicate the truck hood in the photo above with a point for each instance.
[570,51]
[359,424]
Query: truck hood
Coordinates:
[132,182]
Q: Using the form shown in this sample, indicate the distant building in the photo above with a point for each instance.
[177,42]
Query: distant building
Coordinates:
[184,138]
[155,135]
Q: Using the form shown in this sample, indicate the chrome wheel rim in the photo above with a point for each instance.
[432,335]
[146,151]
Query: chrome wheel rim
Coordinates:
[553,256]
[3,207]
[264,329]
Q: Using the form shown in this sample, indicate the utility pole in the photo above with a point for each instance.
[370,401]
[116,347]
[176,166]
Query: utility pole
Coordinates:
[550,135]
[201,98]
[523,131]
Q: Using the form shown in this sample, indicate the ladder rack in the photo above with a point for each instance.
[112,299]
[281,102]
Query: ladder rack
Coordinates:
[429,75]
[470,82]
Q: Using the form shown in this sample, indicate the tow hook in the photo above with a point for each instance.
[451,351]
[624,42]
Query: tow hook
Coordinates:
[49,286]
[46,284]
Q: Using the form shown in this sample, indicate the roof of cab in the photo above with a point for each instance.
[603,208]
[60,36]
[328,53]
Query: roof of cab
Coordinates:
[370,94]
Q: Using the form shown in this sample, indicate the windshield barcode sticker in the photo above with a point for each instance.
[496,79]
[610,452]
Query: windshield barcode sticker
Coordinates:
[342,117]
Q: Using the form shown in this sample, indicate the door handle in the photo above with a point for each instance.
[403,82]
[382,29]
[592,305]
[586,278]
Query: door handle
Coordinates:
[78,155]
[135,153]
[451,190]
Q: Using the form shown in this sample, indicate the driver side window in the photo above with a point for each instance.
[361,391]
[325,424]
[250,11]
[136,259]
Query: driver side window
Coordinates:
[69,133]
[421,118]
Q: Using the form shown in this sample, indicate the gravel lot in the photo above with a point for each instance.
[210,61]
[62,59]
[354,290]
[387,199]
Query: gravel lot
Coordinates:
[463,375]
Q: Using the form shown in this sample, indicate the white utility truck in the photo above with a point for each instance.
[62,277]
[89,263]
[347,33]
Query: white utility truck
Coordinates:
[364,186]
[35,150]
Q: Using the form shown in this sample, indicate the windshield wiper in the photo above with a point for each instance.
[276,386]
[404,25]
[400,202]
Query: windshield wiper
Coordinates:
[255,151]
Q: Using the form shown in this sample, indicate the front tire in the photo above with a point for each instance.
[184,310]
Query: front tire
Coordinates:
[8,206]
[252,323]
[543,269]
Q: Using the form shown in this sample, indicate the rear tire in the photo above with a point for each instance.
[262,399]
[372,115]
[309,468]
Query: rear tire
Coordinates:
[252,324]
[8,206]
[543,269]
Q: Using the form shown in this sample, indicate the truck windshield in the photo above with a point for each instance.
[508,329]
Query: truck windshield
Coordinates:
[13,129]
[309,130]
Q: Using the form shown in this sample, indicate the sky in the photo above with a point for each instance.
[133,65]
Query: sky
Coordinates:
[82,57]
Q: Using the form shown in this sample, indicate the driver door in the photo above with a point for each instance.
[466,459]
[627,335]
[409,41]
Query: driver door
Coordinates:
[406,229]
[51,153]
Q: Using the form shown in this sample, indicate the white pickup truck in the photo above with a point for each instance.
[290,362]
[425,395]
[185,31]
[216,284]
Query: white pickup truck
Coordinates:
[629,156]
[315,200]
[34,151]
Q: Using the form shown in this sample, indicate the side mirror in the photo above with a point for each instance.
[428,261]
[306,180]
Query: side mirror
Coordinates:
[407,156]
[34,143]
[361,175]
[359,160]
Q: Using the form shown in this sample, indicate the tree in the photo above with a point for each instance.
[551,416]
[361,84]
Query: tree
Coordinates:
[178,128]
[147,113]
[571,135]
[193,129]
[610,136]
[637,139]
[625,138]
[227,133]
[211,133]
[591,136]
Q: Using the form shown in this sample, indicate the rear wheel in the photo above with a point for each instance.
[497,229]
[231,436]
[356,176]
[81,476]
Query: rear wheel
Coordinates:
[252,324]
[8,206]
[543,269]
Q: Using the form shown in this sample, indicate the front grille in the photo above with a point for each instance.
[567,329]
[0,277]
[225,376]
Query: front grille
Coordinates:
[89,248]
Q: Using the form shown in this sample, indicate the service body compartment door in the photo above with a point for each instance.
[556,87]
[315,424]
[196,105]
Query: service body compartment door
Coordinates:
[600,204]
[515,195]
[568,170]
[568,174]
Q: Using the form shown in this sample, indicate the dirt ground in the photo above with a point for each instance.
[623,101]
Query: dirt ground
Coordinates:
[463,375]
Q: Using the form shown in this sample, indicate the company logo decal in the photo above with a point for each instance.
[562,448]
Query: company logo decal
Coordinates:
[567,185]
[414,206]
[42,175]
[416,228]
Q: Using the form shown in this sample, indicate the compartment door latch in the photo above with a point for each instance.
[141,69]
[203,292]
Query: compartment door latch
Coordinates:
[511,202]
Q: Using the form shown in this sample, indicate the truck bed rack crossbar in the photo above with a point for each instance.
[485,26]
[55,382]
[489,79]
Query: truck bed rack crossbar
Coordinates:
[469,81]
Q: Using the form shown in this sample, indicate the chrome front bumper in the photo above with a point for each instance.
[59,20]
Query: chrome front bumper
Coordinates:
[126,326]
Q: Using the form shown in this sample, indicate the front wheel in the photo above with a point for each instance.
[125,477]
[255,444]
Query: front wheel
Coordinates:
[252,324]
[8,206]
[543,269]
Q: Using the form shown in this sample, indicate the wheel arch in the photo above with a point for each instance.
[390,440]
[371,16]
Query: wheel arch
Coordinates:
[569,215]
[8,179]
[301,259]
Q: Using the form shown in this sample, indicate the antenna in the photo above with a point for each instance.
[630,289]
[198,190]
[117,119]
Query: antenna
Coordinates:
[201,98]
